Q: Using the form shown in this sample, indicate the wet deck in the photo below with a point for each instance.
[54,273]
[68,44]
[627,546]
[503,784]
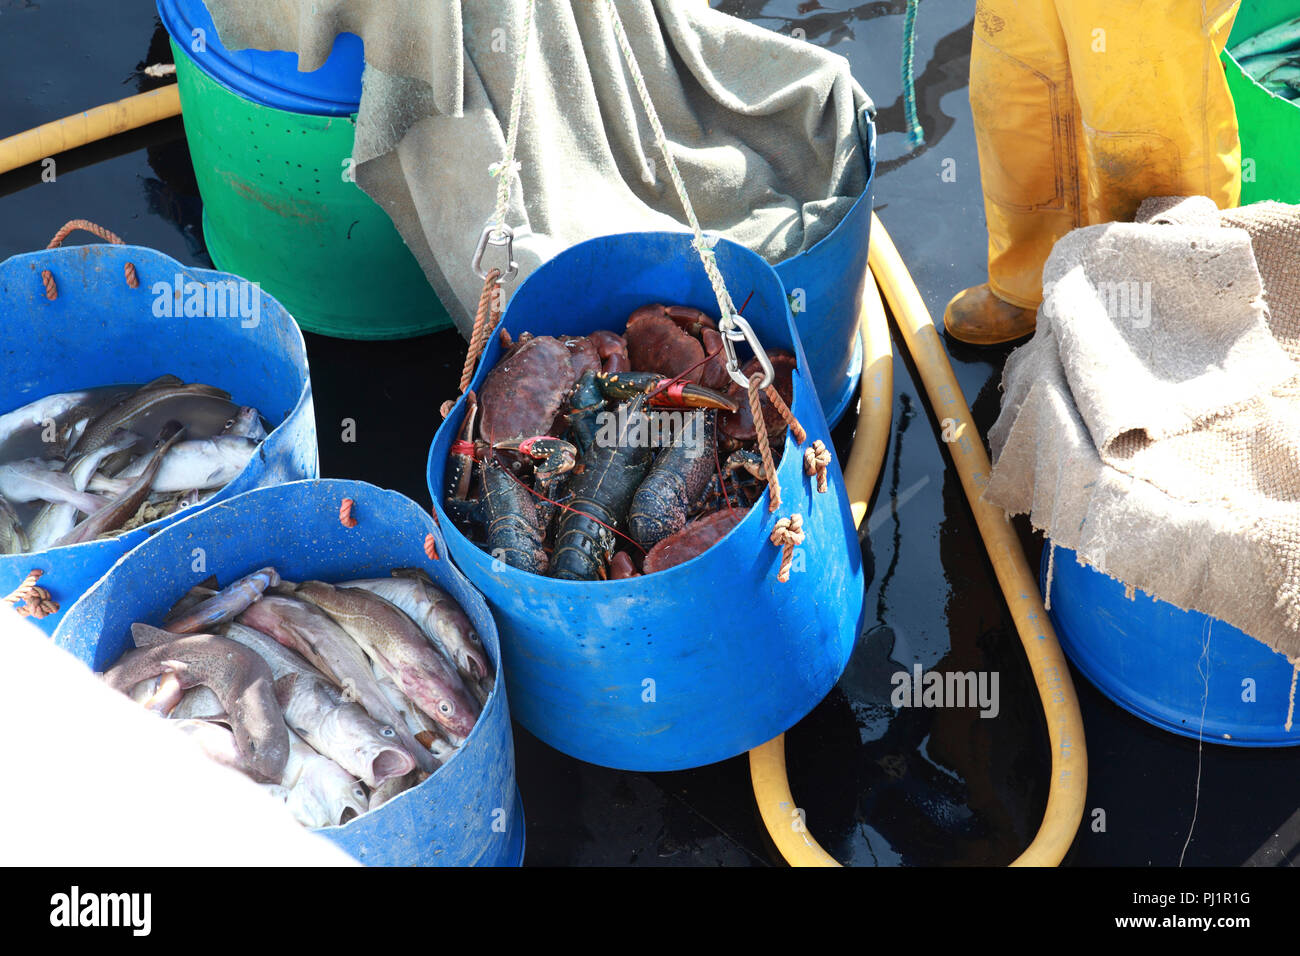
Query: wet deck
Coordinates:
[878,786]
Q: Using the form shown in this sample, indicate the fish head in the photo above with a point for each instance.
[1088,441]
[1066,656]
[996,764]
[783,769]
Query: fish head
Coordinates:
[377,754]
[452,707]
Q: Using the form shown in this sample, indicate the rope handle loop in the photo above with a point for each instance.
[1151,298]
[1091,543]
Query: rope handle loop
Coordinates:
[35,600]
[345,513]
[47,277]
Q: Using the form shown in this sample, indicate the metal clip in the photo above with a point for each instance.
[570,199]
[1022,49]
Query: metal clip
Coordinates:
[735,329]
[504,237]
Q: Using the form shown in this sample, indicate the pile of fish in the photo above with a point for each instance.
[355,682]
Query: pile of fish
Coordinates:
[336,698]
[1272,58]
[76,466]
[607,456]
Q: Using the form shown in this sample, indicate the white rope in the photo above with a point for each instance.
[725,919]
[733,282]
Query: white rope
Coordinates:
[702,243]
[508,167]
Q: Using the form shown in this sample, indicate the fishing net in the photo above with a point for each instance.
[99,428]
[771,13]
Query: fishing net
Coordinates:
[1152,424]
[764,128]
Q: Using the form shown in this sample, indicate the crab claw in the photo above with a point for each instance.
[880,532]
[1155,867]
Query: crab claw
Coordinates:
[554,455]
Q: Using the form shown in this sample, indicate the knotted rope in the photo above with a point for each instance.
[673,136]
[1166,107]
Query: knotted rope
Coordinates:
[816,459]
[35,600]
[787,535]
[485,320]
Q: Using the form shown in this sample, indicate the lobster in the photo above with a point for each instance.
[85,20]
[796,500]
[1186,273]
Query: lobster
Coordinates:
[677,478]
[611,473]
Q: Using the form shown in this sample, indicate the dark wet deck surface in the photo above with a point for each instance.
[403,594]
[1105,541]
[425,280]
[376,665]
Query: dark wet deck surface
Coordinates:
[878,786]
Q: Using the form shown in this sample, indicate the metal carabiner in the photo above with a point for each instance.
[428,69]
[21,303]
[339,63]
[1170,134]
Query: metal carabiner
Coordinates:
[500,238]
[735,329]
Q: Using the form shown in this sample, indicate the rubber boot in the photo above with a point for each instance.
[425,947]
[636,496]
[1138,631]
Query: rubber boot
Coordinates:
[978,317]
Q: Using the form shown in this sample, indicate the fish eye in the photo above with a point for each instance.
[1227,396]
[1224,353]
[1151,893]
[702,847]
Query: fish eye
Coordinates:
[446,707]
[387,732]
[230,423]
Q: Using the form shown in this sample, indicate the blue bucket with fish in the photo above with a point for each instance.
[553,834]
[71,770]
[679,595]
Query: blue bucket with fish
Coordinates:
[705,660]
[468,812]
[98,329]
[1182,671]
[826,284]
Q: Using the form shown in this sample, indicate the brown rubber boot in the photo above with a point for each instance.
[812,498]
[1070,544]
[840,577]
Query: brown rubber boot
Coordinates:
[977,316]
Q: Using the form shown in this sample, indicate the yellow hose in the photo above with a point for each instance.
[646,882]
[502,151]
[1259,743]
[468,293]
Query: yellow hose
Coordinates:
[88,127]
[1069,781]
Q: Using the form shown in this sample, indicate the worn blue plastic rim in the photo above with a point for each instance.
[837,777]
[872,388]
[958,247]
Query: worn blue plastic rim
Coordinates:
[270,78]
[1101,631]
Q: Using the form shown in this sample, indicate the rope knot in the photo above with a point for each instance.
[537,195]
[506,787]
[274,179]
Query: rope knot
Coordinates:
[35,600]
[787,535]
[815,461]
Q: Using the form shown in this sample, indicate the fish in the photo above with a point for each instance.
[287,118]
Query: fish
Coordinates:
[321,793]
[82,469]
[33,480]
[115,514]
[53,407]
[160,694]
[13,539]
[314,635]
[238,676]
[341,730]
[1281,37]
[1259,66]
[51,523]
[199,703]
[315,710]
[393,786]
[397,644]
[198,464]
[147,405]
[218,743]
[225,605]
[443,621]
[247,423]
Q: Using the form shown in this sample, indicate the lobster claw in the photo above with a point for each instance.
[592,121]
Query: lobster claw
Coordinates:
[662,391]
[554,456]
[686,395]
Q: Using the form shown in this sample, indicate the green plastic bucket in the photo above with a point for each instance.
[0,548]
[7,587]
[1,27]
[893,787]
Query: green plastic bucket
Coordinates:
[278,210]
[1270,125]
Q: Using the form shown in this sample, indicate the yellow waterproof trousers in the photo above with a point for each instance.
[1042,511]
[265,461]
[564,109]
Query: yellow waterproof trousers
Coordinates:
[1083,108]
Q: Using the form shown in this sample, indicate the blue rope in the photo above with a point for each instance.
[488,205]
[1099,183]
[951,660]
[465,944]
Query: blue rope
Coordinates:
[915,134]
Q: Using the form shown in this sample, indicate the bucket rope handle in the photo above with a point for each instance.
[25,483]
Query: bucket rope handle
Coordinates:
[496,233]
[47,277]
[36,601]
[345,513]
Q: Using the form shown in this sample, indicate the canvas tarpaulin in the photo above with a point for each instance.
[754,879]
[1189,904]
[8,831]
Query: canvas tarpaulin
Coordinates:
[766,130]
[1152,424]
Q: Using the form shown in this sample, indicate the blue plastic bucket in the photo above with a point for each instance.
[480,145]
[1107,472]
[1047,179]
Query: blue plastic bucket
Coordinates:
[829,280]
[466,814]
[270,78]
[705,660]
[1153,658]
[99,331]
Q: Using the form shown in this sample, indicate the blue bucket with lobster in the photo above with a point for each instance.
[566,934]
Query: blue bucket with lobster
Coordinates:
[825,285]
[99,329]
[468,812]
[1182,671]
[705,660]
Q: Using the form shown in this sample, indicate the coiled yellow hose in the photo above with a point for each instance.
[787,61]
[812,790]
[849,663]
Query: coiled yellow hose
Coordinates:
[1069,782]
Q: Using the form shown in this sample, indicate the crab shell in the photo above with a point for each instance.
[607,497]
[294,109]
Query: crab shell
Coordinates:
[526,389]
[739,425]
[693,540]
[662,338]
